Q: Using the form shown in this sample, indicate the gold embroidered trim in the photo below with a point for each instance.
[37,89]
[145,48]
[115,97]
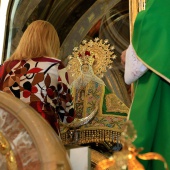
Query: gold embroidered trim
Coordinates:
[158,73]
[114,104]
[92,97]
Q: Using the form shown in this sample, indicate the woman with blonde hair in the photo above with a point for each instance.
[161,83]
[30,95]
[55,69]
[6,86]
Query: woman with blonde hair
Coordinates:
[35,75]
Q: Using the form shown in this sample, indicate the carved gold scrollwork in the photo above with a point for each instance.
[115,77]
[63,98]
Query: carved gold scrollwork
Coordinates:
[5,149]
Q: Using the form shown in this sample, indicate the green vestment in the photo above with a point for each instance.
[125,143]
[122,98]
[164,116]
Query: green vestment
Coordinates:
[150,110]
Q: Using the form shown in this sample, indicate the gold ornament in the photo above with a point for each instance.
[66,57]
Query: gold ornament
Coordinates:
[5,149]
[98,53]
[86,58]
[127,157]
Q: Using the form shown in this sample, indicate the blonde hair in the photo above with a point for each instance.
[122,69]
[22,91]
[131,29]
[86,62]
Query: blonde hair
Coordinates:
[39,39]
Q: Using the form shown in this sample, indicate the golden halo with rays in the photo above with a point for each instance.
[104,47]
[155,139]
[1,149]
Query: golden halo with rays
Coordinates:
[99,49]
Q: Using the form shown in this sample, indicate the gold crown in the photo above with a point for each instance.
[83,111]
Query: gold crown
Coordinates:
[86,58]
[98,53]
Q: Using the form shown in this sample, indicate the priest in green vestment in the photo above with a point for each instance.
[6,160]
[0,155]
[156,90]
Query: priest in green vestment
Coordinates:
[147,63]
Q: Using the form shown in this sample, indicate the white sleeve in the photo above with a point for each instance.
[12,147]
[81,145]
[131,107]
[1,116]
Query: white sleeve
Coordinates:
[134,68]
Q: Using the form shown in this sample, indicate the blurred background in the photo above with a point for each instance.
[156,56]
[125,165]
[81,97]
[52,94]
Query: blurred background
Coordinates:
[74,20]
